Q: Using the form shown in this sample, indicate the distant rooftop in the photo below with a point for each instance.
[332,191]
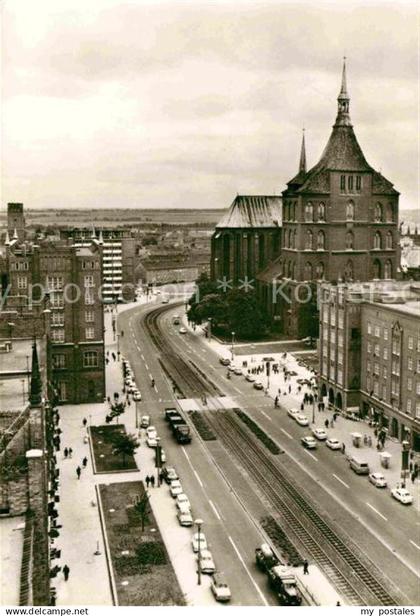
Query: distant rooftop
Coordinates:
[252,211]
[14,372]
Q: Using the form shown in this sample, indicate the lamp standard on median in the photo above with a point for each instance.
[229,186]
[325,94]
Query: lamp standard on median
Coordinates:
[233,342]
[209,328]
[198,522]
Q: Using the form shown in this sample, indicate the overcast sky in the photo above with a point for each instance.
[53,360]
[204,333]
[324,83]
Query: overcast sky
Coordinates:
[185,104]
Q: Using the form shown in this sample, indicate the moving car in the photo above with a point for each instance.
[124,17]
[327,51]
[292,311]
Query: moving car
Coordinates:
[169,474]
[165,300]
[302,420]
[145,421]
[320,434]
[137,395]
[182,501]
[196,543]
[250,378]
[185,518]
[293,413]
[182,330]
[309,442]
[206,562]
[378,480]
[359,466]
[151,441]
[333,443]
[402,495]
[175,488]
[220,589]
[224,361]
[151,431]
[258,385]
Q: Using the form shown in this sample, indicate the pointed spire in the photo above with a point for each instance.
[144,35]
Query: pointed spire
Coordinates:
[93,232]
[101,237]
[343,114]
[7,239]
[15,234]
[302,162]
[36,383]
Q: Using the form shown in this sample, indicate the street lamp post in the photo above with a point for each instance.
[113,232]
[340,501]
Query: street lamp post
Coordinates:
[199,524]
[209,328]
[233,341]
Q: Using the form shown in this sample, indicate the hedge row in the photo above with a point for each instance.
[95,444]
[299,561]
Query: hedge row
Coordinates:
[259,433]
[202,426]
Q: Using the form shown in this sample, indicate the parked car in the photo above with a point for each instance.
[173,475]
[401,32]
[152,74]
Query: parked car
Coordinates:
[237,371]
[250,378]
[151,441]
[224,361]
[378,480]
[402,495]
[333,443]
[293,413]
[320,434]
[206,562]
[162,456]
[182,330]
[185,518]
[145,421]
[258,385]
[220,589]
[169,474]
[151,431]
[309,442]
[137,395]
[196,543]
[175,488]
[302,420]
[182,501]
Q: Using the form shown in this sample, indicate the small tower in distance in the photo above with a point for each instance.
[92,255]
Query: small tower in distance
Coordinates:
[16,220]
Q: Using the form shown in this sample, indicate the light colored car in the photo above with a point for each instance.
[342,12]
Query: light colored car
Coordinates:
[196,543]
[293,413]
[182,330]
[151,431]
[165,300]
[151,441]
[185,518]
[162,455]
[333,443]
[175,488]
[237,371]
[309,442]
[402,495]
[137,396]
[258,385]
[182,501]
[169,474]
[302,420]
[206,562]
[250,378]
[220,589]
[145,421]
[128,380]
[224,361]
[320,434]
[378,480]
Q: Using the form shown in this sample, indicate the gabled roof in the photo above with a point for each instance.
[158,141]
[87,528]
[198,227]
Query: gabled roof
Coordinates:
[253,211]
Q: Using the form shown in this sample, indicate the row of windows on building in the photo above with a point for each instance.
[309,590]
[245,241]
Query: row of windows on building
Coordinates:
[90,360]
[19,266]
[374,388]
[289,271]
[379,332]
[94,264]
[350,183]
[317,212]
[57,318]
[412,364]
[336,373]
[58,334]
[290,240]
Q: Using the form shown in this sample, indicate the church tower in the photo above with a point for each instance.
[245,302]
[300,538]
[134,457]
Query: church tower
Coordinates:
[16,221]
[340,219]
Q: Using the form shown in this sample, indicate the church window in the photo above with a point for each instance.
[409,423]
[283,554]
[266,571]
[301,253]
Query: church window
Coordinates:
[378,212]
[320,271]
[308,271]
[358,182]
[348,271]
[321,240]
[350,183]
[308,240]
[349,240]
[321,212]
[309,212]
[294,271]
[377,269]
[294,241]
[350,211]
[289,271]
[389,212]
[377,241]
[342,183]
[389,240]
[388,269]
[294,210]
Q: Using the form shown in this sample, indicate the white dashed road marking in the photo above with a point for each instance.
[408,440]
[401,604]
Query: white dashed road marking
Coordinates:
[341,481]
[264,600]
[265,415]
[310,454]
[216,513]
[376,511]
[415,545]
[286,433]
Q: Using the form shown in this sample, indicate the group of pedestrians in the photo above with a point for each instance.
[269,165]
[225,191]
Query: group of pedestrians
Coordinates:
[150,480]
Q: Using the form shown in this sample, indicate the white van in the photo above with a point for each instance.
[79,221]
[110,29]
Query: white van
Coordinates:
[359,466]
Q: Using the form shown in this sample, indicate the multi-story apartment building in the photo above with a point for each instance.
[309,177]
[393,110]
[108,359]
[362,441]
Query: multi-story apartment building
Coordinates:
[369,352]
[55,288]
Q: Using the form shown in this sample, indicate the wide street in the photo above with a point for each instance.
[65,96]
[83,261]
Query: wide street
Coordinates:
[386,532]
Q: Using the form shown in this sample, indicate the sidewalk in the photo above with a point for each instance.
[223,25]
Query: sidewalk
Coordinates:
[81,532]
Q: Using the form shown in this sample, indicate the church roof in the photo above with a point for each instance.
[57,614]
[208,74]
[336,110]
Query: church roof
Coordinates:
[252,211]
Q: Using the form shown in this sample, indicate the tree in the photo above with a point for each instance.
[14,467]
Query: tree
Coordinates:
[142,509]
[117,409]
[246,317]
[125,445]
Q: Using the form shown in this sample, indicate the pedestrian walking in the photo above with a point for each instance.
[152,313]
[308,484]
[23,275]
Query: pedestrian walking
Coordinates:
[302,407]
[413,477]
[305,567]
[276,401]
[290,389]
[326,423]
[66,452]
[84,462]
[147,480]
[70,452]
[152,481]
[66,572]
[84,422]
[343,447]
[78,472]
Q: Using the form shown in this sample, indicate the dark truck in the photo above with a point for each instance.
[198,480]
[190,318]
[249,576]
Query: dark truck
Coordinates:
[281,578]
[178,425]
